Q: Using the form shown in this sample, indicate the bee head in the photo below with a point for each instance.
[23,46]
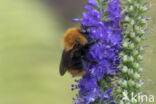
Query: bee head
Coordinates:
[85,30]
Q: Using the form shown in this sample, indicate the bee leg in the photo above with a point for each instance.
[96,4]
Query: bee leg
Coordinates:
[89,60]
[92,43]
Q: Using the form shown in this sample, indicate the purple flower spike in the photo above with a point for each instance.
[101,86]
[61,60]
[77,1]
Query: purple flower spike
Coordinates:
[95,87]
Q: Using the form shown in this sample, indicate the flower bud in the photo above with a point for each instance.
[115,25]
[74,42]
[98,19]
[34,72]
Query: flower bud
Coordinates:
[124,84]
[125,45]
[125,58]
[132,22]
[140,58]
[143,22]
[125,69]
[132,35]
[131,46]
[137,40]
[121,54]
[120,81]
[138,85]
[131,59]
[136,66]
[131,9]
[131,83]
[141,32]
[135,52]
[126,32]
[130,72]
[143,9]
[127,19]
[137,28]
[140,69]
[136,76]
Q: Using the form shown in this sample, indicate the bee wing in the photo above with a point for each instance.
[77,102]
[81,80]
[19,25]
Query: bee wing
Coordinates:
[64,62]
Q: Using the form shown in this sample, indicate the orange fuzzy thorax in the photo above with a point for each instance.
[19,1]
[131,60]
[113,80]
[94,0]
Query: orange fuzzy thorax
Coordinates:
[71,36]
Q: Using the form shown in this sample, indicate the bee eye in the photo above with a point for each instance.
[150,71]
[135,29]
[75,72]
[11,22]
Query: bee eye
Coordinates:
[86,30]
[83,31]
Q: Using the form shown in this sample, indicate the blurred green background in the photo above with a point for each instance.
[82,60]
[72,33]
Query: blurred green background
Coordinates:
[30,50]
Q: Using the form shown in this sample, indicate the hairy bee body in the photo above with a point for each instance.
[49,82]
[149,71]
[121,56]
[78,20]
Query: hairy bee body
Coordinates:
[76,47]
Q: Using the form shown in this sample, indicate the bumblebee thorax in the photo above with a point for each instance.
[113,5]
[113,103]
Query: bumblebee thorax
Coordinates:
[72,36]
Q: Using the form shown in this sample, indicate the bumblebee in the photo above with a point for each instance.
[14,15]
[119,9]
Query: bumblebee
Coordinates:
[76,43]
